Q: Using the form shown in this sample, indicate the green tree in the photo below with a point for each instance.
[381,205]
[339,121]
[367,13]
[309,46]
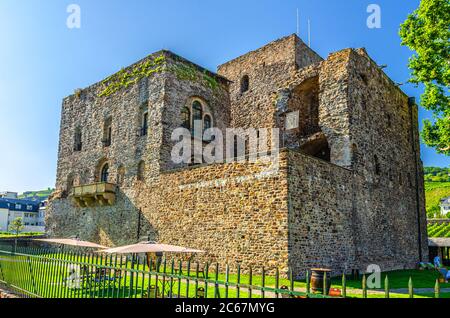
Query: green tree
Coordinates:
[426,31]
[16,226]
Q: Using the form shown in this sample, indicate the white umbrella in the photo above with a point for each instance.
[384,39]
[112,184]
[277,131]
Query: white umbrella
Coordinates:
[71,242]
[149,247]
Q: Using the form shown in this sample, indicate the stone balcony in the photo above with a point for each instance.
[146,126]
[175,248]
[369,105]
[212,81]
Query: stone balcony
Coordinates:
[91,195]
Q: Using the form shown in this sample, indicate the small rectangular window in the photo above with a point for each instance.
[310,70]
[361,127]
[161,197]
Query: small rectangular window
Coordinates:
[107,132]
[144,128]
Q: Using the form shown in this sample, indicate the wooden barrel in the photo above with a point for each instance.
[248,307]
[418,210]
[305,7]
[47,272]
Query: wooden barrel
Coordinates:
[317,275]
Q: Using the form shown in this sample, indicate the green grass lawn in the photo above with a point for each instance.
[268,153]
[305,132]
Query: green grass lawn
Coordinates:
[12,235]
[399,279]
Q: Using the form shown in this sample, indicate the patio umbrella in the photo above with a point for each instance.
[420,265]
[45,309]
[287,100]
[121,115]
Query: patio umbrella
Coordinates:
[71,242]
[149,247]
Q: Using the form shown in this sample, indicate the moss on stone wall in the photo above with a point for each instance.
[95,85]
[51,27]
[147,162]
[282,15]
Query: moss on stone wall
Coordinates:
[187,72]
[130,76]
[127,77]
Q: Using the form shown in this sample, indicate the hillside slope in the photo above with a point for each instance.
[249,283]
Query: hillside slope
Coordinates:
[434,192]
[36,195]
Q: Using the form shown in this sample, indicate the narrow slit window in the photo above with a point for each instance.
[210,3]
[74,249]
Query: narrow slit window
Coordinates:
[245,83]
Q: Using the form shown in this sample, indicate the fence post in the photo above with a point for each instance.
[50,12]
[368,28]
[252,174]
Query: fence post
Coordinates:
[325,284]
[227,279]
[437,289]
[172,272]
[197,266]
[238,285]
[344,286]
[291,278]
[2,277]
[250,281]
[206,275]
[364,286]
[386,287]
[277,282]
[263,293]
[308,283]
[180,271]
[411,288]
[216,284]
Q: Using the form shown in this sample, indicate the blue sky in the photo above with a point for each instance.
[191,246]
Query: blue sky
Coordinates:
[42,61]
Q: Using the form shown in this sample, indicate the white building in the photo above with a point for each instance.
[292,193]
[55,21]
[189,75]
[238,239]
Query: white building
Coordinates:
[41,215]
[445,206]
[9,195]
[29,211]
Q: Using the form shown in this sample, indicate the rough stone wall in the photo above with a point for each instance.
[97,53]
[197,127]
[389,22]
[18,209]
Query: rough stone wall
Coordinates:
[269,68]
[235,212]
[386,154]
[321,229]
[372,130]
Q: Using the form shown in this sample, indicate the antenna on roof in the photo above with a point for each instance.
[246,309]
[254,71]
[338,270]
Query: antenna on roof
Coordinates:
[298,23]
[309,32]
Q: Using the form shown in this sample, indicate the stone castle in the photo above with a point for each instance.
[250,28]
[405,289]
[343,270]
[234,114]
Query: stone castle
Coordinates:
[348,191]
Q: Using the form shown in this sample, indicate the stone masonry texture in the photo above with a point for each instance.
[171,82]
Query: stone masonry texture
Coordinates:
[345,191]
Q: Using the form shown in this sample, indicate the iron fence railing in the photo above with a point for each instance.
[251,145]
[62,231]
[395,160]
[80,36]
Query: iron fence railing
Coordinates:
[56,273]
[49,273]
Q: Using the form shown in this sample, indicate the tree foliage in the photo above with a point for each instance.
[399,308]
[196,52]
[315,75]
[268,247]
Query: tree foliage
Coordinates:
[436,174]
[16,226]
[426,31]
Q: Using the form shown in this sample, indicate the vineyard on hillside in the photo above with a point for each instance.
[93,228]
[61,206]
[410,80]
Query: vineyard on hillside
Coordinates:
[434,192]
[439,230]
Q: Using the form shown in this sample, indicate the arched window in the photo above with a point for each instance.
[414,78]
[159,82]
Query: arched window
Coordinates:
[197,111]
[197,116]
[104,175]
[120,175]
[207,122]
[245,83]
[141,171]
[186,118]
[77,140]
[144,127]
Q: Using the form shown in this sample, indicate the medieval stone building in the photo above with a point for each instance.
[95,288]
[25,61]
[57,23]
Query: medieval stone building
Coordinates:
[347,192]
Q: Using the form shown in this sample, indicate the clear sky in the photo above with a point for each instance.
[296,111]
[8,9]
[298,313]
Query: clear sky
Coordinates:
[42,60]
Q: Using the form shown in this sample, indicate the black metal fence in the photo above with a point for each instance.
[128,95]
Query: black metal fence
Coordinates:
[52,273]
[56,273]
